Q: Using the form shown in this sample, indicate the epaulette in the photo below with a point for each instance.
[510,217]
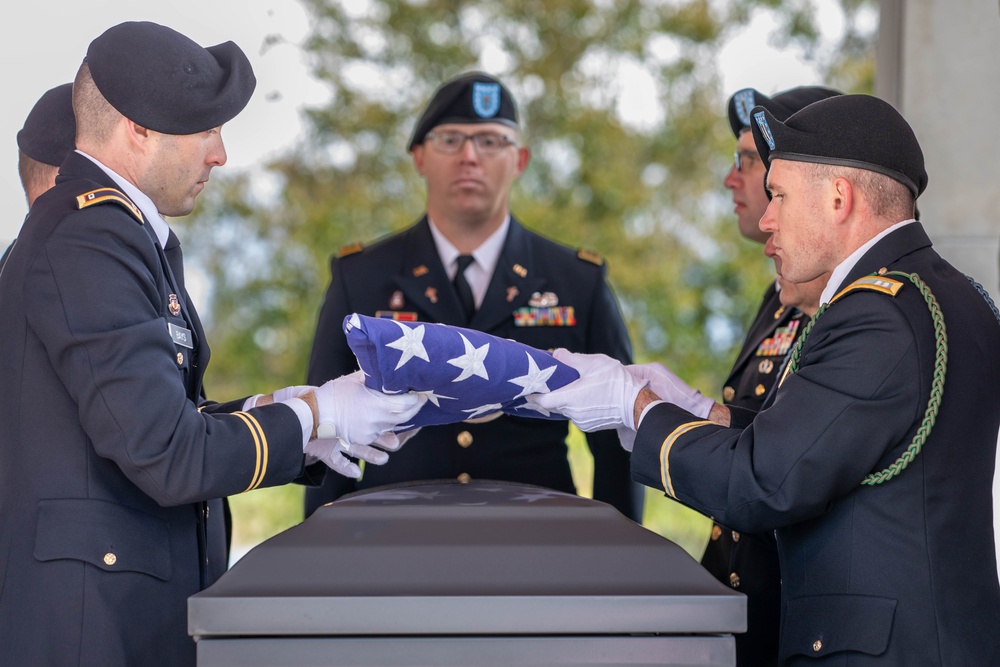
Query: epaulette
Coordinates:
[881,284]
[350,249]
[104,195]
[590,256]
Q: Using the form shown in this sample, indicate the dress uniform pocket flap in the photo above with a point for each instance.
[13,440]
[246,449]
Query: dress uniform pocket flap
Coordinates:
[823,624]
[106,535]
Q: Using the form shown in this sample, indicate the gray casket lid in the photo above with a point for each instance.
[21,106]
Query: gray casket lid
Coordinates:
[445,558]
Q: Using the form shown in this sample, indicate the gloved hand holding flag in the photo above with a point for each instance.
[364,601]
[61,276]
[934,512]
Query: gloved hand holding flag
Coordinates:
[465,374]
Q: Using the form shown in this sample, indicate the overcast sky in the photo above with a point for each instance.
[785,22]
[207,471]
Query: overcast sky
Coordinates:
[43,42]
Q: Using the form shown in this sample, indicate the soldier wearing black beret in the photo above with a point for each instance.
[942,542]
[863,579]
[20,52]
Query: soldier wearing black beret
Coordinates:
[468,261]
[46,138]
[749,562]
[873,459]
[111,460]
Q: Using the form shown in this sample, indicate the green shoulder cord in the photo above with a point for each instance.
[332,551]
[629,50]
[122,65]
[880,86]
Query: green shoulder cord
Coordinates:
[937,385]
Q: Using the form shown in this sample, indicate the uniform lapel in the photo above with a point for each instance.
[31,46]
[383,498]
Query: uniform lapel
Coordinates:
[424,280]
[175,257]
[772,316]
[514,280]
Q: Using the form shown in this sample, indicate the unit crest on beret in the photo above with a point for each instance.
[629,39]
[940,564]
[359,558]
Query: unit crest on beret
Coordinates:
[108,195]
[590,256]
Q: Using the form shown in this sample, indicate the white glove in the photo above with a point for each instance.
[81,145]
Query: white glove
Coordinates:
[353,420]
[603,396]
[276,396]
[672,389]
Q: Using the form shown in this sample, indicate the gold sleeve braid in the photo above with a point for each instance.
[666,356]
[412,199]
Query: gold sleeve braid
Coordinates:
[668,485]
[260,444]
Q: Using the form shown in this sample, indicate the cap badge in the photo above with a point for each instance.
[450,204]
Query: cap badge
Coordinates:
[744,102]
[486,98]
[765,131]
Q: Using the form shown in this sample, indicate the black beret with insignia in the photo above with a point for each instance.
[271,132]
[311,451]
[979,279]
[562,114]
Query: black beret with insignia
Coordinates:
[859,131]
[781,105]
[162,80]
[474,97]
[49,131]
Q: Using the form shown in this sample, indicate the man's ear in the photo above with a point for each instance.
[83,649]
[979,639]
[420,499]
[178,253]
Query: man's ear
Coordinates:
[843,198]
[523,157]
[136,133]
[418,158]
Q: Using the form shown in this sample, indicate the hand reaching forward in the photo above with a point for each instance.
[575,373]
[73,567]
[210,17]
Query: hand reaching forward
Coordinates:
[603,396]
[672,389]
[353,420]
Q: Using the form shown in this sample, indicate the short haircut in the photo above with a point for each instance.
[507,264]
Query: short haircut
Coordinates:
[95,117]
[36,177]
[886,197]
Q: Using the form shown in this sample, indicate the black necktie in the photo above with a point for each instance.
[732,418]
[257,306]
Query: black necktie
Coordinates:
[463,288]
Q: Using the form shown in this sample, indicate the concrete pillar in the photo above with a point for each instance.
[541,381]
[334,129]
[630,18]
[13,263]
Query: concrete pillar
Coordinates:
[938,62]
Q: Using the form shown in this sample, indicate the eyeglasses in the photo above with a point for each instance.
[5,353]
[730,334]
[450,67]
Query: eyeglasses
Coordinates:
[486,143]
[745,159]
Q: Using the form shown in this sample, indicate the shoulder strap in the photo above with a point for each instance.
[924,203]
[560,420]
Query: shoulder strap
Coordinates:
[106,195]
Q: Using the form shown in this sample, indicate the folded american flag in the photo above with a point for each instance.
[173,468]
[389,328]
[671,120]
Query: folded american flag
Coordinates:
[465,374]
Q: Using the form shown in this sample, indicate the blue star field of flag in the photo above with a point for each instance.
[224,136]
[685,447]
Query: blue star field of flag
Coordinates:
[465,374]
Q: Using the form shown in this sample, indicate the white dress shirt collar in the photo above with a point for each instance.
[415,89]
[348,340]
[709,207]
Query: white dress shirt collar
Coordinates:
[833,285]
[487,256]
[144,203]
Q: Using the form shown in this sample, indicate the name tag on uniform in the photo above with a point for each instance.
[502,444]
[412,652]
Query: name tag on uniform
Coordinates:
[181,335]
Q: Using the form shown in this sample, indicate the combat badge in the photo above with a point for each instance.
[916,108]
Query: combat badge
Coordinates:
[543,300]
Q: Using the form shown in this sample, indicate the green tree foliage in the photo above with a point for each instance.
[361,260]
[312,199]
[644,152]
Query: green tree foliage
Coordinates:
[622,107]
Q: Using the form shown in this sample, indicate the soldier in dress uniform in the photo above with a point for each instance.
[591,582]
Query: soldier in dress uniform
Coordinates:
[469,262]
[43,142]
[109,456]
[749,563]
[872,460]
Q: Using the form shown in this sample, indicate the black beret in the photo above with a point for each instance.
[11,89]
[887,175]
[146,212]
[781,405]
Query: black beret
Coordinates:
[474,97]
[781,105]
[160,79]
[49,131]
[849,130]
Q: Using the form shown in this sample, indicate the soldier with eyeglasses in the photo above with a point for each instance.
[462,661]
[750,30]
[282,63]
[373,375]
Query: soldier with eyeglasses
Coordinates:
[469,262]
[749,562]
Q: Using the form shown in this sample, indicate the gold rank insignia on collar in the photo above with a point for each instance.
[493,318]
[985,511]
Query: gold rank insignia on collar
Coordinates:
[420,271]
[519,270]
[106,195]
[778,313]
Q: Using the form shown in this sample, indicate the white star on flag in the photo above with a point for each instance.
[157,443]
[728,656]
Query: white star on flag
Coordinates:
[411,344]
[483,410]
[535,381]
[471,362]
[494,375]
[433,398]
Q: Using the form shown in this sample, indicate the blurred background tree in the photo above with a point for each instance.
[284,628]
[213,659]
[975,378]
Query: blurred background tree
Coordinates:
[622,106]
